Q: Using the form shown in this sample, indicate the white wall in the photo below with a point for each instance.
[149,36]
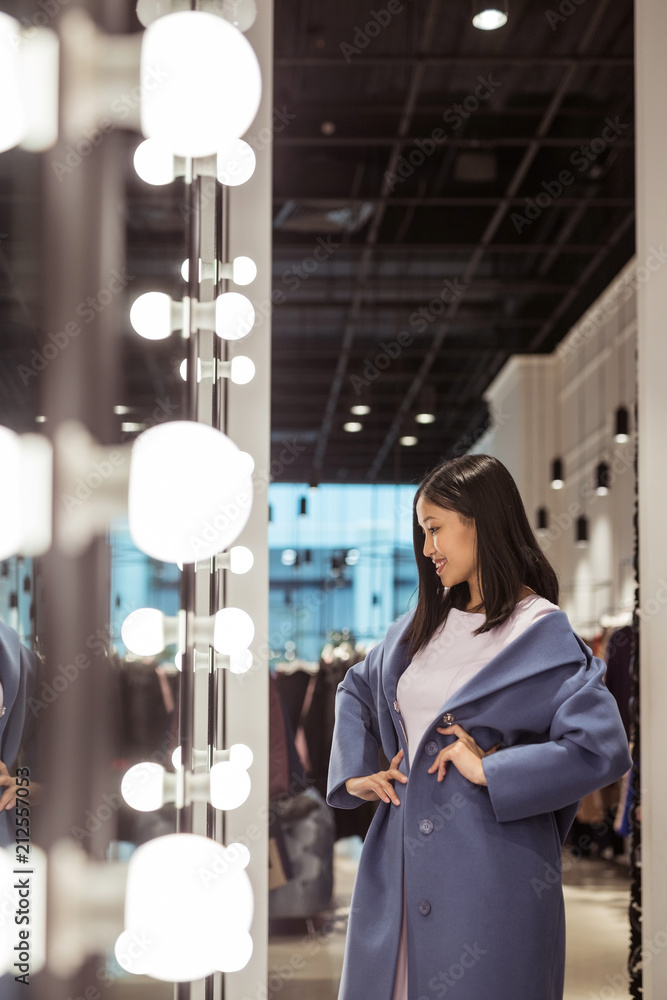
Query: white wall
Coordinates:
[564,404]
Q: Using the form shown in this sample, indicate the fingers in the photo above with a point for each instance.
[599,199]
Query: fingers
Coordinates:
[8,799]
[3,768]
[398,775]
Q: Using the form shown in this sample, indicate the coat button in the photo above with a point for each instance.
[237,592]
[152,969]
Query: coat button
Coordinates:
[431,748]
[424,907]
[448,718]
[396,706]
[426,826]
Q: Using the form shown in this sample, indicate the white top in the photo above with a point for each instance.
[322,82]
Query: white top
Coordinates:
[453,656]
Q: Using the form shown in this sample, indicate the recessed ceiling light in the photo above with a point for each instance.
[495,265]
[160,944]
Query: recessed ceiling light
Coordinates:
[121,410]
[360,410]
[352,426]
[488,18]
[425,418]
[408,440]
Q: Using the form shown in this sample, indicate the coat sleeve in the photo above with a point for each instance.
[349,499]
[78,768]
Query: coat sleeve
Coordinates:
[356,737]
[586,750]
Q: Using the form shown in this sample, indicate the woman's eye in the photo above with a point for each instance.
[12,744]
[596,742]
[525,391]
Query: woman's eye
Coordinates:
[432,530]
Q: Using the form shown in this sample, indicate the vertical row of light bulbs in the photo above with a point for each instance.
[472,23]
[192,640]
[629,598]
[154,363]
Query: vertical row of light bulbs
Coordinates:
[197,53]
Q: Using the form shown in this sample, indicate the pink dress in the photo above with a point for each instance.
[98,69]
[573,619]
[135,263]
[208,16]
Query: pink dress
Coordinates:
[450,659]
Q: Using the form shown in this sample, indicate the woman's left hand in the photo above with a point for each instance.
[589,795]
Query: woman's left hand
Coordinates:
[464,754]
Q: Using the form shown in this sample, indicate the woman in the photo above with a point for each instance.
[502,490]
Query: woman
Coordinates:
[496,722]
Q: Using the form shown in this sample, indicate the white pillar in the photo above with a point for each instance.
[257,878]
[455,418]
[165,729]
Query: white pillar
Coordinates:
[651,157]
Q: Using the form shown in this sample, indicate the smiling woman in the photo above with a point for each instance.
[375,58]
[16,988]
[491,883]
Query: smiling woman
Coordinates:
[479,714]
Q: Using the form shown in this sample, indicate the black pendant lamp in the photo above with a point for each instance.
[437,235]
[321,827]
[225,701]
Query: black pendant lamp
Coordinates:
[622,424]
[542,519]
[602,479]
[581,534]
[557,477]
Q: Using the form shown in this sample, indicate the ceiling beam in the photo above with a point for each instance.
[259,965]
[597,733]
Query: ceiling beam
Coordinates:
[447,60]
[554,142]
[451,202]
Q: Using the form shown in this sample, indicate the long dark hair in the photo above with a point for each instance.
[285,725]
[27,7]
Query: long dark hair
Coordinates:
[479,488]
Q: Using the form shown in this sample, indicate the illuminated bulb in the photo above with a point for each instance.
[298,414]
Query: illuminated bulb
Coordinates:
[240,370]
[352,426]
[241,559]
[236,163]
[29,86]
[233,630]
[240,661]
[425,418]
[146,631]
[246,462]
[242,270]
[490,19]
[154,315]
[26,461]
[241,755]
[184,369]
[207,504]
[230,785]
[408,440]
[154,162]
[198,53]
[204,878]
[176,759]
[142,786]
[360,410]
[234,316]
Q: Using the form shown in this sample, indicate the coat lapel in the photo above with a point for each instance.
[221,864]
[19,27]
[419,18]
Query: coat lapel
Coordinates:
[547,643]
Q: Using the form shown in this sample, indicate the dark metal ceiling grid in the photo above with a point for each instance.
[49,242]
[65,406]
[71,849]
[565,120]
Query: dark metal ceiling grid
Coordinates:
[449,218]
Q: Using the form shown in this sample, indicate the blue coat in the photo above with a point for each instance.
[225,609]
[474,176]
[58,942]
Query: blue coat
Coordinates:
[485,916]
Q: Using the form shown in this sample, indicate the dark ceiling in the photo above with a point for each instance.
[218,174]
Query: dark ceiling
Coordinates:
[406,146]
[444,197]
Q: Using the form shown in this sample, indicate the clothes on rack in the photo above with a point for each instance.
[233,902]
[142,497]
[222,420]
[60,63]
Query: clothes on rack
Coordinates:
[309,694]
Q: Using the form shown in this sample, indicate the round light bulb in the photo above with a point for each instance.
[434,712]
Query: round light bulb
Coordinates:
[183,369]
[240,661]
[150,315]
[198,53]
[425,418]
[143,632]
[142,786]
[12,121]
[241,755]
[244,270]
[230,785]
[154,162]
[408,440]
[236,163]
[360,410]
[234,316]
[489,20]
[241,559]
[208,502]
[176,759]
[203,878]
[246,462]
[10,495]
[352,426]
[242,370]
[234,629]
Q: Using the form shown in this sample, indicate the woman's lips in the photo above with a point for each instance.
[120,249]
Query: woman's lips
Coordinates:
[439,564]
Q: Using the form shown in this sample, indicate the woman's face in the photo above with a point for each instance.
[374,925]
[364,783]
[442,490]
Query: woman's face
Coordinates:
[449,543]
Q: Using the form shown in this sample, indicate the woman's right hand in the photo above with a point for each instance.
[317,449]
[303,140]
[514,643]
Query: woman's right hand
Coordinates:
[379,786]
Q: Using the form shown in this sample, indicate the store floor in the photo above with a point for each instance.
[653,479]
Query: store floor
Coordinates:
[596,902]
